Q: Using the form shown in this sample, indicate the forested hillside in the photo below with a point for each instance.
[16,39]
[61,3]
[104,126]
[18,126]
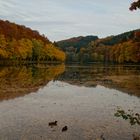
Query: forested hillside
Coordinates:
[123,48]
[18,42]
[76,43]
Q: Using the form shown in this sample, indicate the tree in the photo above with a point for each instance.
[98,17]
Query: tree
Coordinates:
[135,5]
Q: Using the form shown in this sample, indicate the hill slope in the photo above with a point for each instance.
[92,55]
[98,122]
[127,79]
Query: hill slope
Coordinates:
[18,42]
[76,42]
[122,48]
[12,30]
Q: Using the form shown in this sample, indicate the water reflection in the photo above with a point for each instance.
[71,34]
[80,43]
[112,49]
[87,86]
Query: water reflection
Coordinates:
[76,97]
[123,78]
[18,81]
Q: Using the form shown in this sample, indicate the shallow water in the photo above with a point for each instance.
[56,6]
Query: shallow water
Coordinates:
[83,98]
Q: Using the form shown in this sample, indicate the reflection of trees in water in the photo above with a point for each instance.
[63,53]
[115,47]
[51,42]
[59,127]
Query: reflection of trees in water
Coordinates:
[90,72]
[118,77]
[18,81]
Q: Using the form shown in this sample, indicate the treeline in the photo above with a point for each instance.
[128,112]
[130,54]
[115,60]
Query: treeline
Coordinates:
[20,43]
[126,52]
[123,48]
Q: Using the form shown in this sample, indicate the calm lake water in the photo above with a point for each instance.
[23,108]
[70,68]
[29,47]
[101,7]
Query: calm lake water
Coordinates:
[86,99]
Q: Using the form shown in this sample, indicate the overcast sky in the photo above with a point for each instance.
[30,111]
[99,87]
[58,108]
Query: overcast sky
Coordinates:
[61,19]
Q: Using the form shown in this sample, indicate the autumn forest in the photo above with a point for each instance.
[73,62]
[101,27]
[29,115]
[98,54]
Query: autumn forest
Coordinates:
[123,48]
[19,43]
[69,70]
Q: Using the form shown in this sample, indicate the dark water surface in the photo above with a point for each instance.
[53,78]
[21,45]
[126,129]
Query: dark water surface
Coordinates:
[83,98]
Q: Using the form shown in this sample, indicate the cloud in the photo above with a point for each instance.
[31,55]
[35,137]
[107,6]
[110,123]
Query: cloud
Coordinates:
[60,19]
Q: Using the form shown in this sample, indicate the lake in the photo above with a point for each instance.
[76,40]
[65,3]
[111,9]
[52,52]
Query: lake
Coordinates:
[94,102]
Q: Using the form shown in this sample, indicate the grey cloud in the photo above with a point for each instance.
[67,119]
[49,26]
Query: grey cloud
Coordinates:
[59,19]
